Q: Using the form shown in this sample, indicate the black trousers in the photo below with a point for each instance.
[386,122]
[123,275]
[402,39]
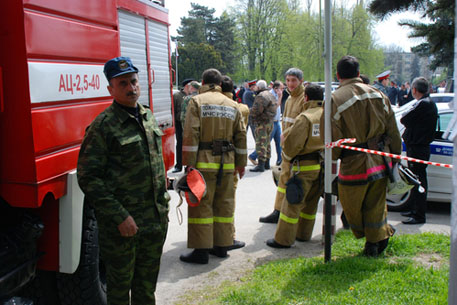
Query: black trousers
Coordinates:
[418,201]
[178,131]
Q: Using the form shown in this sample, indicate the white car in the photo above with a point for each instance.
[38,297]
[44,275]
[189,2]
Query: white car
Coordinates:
[439,178]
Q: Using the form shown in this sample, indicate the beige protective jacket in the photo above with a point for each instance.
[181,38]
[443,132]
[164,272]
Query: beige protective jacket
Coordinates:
[303,137]
[362,112]
[213,116]
[295,104]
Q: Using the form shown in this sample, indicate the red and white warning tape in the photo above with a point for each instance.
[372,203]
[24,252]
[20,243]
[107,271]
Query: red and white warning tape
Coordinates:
[340,142]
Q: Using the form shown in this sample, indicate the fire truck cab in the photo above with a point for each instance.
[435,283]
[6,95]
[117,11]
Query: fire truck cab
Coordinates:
[52,86]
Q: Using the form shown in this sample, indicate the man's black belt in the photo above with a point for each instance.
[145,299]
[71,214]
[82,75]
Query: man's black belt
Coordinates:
[348,153]
[218,148]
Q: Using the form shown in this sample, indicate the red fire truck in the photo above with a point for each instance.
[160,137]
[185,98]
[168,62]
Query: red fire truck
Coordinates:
[51,87]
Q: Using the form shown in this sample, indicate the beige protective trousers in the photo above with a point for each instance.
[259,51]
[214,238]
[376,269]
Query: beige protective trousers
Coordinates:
[211,222]
[366,210]
[297,220]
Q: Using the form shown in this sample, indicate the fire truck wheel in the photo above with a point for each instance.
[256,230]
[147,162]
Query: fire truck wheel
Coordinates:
[42,289]
[87,285]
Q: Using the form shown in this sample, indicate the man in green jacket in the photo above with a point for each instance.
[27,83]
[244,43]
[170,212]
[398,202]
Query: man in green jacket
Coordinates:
[121,172]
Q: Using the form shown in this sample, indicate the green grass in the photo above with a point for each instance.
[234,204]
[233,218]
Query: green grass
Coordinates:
[413,270]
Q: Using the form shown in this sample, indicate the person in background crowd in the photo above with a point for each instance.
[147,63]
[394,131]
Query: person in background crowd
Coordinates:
[122,174]
[293,107]
[362,178]
[276,91]
[227,85]
[214,143]
[365,79]
[383,81]
[302,148]
[420,123]
[262,114]
[194,86]
[178,99]
[392,93]
[409,94]
[248,99]
[401,95]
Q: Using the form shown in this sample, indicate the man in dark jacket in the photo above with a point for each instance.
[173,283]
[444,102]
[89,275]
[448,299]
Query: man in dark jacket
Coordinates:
[420,123]
[178,99]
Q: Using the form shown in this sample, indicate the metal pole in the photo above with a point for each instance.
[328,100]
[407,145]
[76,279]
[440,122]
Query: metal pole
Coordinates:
[452,296]
[176,57]
[328,132]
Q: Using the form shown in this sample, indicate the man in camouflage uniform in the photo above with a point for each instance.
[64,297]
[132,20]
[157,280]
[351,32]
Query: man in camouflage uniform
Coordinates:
[362,179]
[302,149]
[262,114]
[214,143]
[194,86]
[294,106]
[121,172]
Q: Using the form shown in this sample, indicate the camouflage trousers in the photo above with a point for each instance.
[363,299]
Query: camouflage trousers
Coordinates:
[132,263]
[262,140]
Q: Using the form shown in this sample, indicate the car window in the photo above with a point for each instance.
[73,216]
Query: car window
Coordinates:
[442,99]
[441,126]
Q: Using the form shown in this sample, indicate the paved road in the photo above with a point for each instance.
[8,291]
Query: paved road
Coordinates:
[255,198]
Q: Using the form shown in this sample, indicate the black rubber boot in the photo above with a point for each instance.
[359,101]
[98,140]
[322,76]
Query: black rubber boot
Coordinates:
[371,249]
[259,168]
[272,218]
[267,164]
[219,251]
[198,256]
[272,243]
[236,245]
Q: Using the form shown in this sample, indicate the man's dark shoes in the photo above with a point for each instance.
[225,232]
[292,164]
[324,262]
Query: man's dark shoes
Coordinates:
[272,218]
[176,170]
[371,249]
[267,164]
[236,245]
[218,251]
[272,243]
[382,245]
[198,256]
[260,168]
[407,213]
[413,221]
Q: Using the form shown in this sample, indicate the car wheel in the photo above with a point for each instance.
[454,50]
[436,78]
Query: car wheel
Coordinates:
[398,203]
[88,284]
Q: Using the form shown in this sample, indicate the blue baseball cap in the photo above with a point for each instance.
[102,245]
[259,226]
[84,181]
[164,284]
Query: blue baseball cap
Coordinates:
[118,66]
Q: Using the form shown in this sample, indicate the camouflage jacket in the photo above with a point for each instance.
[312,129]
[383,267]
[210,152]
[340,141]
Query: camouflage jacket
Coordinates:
[264,108]
[121,169]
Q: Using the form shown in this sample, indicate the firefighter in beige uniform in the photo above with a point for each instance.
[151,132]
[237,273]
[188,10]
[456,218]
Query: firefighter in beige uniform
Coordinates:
[214,142]
[359,111]
[302,148]
[294,106]
[227,88]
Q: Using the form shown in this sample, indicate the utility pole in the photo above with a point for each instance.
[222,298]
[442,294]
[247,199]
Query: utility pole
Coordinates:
[176,65]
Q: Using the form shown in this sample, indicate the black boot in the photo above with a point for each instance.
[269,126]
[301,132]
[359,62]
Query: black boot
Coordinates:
[198,256]
[259,168]
[272,218]
[272,243]
[236,245]
[218,251]
[267,164]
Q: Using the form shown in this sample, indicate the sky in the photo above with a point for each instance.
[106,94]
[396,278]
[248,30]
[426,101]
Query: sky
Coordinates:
[386,33]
